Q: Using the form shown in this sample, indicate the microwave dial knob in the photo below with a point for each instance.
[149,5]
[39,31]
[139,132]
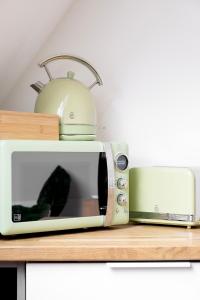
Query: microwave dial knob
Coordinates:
[121,162]
[121,199]
[122,183]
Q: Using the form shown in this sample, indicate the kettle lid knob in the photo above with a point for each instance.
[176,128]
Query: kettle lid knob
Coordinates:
[70,75]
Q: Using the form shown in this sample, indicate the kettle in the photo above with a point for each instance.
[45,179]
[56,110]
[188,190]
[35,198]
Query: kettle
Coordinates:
[70,99]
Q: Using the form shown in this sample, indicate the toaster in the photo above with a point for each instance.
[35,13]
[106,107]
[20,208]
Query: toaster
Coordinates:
[165,195]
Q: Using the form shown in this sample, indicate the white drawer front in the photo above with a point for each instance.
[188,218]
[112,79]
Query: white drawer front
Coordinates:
[89,281]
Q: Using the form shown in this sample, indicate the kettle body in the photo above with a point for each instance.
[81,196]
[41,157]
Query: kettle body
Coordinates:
[72,101]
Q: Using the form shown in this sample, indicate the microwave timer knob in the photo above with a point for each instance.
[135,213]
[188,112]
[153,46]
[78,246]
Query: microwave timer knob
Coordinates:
[122,183]
[122,199]
[121,162]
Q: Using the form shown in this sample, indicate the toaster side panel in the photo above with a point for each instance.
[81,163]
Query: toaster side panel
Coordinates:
[196,172]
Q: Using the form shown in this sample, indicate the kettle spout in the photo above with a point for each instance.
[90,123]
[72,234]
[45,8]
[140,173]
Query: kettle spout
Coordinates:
[38,86]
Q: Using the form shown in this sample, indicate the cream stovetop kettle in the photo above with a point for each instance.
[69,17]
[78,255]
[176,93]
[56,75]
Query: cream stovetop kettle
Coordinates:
[70,99]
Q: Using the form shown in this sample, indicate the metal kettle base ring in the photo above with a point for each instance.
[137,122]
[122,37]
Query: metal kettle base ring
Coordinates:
[77,137]
[71,129]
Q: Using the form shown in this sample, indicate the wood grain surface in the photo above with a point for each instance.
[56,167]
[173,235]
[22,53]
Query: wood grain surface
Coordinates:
[122,243]
[26,125]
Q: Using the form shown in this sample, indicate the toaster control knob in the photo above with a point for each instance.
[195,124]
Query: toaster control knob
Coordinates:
[122,183]
[121,199]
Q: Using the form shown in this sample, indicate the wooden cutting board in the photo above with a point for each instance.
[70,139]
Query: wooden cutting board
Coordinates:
[30,126]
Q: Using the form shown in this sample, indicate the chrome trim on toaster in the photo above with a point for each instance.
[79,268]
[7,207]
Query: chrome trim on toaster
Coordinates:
[111,185]
[162,216]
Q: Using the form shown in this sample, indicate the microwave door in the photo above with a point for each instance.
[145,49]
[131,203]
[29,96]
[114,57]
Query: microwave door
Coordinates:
[58,185]
[110,185]
[102,183]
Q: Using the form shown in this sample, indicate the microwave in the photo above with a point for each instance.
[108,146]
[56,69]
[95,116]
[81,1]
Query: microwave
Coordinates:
[165,195]
[58,185]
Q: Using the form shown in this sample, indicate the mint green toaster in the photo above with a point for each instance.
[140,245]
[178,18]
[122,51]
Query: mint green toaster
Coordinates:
[165,195]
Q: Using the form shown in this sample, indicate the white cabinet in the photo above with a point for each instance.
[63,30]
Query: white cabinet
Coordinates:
[12,282]
[119,281]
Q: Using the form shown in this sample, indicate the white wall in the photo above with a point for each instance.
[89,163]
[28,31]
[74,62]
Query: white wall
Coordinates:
[24,27]
[148,53]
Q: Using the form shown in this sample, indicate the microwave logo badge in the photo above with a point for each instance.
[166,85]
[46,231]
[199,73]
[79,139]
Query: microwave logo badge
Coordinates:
[156,208]
[72,115]
[17,217]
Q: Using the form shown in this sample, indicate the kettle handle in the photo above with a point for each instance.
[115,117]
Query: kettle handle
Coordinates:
[78,59]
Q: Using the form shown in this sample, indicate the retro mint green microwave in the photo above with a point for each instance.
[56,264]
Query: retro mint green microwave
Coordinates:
[165,195]
[58,185]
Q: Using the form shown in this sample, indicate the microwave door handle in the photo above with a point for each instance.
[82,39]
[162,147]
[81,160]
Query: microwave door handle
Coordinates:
[111,185]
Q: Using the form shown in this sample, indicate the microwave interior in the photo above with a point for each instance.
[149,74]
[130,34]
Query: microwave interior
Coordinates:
[52,185]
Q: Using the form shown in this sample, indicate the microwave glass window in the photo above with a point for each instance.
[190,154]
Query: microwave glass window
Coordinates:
[49,185]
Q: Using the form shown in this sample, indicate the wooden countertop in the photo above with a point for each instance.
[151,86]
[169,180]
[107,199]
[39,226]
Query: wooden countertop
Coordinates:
[125,243]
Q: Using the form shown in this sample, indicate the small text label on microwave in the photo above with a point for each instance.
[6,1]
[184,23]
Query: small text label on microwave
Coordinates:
[17,217]
[71,115]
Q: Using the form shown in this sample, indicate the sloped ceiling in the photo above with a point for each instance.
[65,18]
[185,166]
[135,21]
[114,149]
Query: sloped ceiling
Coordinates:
[24,26]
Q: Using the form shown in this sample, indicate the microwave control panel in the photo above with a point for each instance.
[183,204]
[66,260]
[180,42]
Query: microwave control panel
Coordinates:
[121,215]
